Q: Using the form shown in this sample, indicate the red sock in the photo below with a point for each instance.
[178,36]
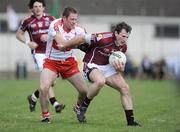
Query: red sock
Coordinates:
[45,114]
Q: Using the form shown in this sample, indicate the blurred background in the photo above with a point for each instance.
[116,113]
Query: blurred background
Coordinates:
[153,46]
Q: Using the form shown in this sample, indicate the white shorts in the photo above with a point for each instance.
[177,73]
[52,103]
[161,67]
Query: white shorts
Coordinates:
[107,70]
[38,61]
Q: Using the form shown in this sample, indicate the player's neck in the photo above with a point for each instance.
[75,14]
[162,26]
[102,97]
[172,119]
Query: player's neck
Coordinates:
[66,29]
[38,16]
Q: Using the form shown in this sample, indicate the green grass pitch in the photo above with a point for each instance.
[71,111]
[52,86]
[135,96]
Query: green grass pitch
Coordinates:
[156,107]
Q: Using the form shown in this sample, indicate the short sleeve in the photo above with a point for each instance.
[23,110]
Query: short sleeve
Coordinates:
[52,31]
[23,26]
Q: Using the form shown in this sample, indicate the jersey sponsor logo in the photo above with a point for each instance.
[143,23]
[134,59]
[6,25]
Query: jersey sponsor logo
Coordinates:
[47,19]
[33,25]
[40,24]
[99,37]
[107,35]
[40,31]
[47,23]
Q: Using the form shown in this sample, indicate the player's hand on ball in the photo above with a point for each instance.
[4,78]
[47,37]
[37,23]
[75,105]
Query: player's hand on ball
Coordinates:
[118,65]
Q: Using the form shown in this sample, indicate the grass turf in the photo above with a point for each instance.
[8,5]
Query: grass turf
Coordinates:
[156,107]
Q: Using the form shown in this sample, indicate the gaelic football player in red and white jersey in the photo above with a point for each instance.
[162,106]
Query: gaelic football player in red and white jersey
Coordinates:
[61,62]
[37,26]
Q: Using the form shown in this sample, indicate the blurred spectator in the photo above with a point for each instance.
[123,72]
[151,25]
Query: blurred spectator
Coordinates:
[173,67]
[146,68]
[12,19]
[158,69]
[130,68]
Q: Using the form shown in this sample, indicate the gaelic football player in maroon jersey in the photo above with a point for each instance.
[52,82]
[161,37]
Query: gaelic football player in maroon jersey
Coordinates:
[37,26]
[99,72]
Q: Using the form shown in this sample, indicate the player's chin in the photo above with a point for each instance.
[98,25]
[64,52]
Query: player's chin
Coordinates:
[123,43]
[72,26]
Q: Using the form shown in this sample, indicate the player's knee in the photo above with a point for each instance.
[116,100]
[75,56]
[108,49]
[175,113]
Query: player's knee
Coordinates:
[53,84]
[125,89]
[44,89]
[43,93]
[100,83]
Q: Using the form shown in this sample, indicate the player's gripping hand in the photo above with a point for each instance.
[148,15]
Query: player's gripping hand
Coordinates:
[32,45]
[61,47]
[44,37]
[118,65]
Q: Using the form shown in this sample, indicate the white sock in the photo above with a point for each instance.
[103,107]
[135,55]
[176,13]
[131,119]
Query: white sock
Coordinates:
[34,98]
[55,104]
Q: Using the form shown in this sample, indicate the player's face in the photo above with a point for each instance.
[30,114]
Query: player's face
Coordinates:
[122,37]
[70,21]
[38,9]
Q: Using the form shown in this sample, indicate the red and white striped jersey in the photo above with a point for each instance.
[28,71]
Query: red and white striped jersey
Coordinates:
[52,51]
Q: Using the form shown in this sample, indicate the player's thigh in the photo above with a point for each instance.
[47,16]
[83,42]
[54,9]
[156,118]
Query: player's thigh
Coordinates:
[96,76]
[78,81]
[117,82]
[47,77]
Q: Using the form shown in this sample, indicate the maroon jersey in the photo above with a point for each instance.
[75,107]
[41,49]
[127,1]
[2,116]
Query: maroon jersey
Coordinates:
[102,45]
[35,28]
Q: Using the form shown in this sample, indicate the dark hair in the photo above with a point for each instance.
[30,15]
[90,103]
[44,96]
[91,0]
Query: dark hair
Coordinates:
[121,26]
[31,3]
[69,10]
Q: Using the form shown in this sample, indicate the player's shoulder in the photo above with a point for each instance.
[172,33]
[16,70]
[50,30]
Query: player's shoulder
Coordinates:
[80,28]
[105,34]
[48,16]
[103,37]
[55,22]
[28,19]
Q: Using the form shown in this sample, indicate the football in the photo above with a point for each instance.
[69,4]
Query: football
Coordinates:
[117,56]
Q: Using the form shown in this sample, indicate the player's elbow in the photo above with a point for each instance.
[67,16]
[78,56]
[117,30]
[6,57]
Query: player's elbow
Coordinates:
[17,35]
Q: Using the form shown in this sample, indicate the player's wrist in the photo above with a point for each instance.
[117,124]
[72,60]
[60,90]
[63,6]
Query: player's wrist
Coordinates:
[26,42]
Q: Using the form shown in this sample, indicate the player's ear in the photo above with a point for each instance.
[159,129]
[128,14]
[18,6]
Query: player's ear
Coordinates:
[116,33]
[64,18]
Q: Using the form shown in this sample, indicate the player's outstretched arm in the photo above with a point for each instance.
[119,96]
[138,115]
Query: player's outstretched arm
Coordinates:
[63,44]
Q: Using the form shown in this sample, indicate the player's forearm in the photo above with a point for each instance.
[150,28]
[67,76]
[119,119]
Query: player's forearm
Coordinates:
[20,36]
[77,40]
[63,44]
